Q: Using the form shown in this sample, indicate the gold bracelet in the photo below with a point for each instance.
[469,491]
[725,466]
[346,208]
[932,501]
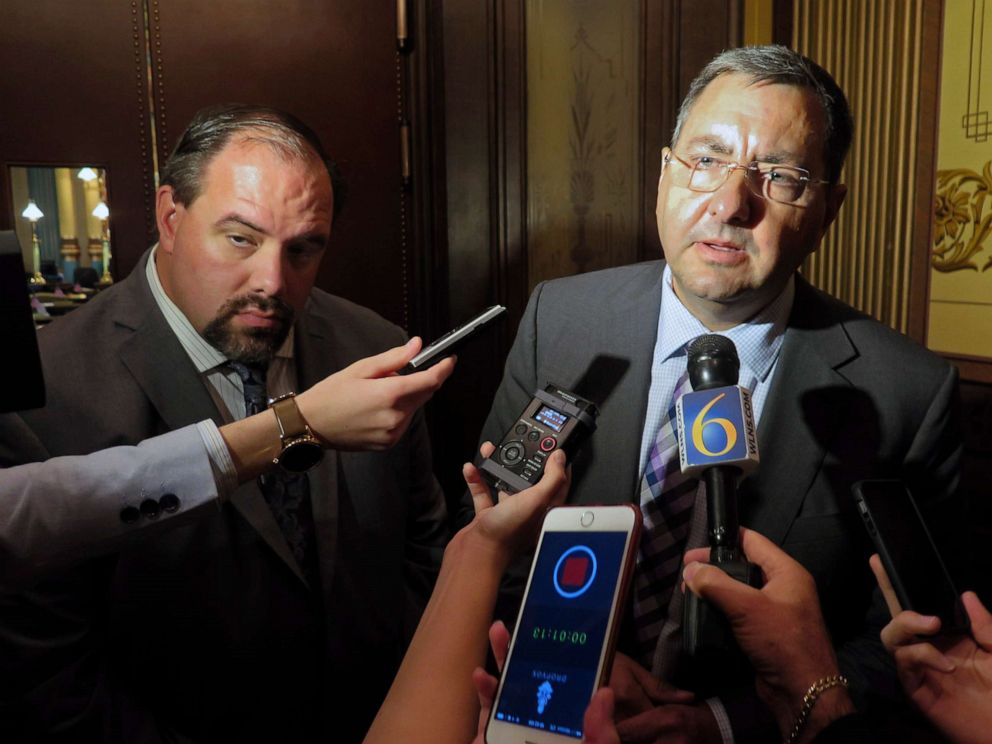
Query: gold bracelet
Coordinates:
[809,700]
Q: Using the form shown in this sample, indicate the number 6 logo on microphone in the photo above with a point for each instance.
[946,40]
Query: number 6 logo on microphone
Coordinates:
[700,423]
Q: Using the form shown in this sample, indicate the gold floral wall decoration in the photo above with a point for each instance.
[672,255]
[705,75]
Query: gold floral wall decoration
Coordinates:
[963,218]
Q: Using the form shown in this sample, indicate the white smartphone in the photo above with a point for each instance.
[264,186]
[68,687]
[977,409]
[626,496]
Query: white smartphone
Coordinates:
[562,647]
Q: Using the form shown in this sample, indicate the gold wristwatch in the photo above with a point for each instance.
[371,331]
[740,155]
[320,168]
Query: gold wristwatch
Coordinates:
[300,449]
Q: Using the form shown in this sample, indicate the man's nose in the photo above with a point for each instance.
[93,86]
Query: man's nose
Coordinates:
[732,201]
[268,271]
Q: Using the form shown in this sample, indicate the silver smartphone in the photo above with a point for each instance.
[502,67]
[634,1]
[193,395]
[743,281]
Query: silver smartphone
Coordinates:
[450,341]
[563,643]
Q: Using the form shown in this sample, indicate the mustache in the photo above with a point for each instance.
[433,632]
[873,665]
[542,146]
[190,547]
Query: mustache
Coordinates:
[279,308]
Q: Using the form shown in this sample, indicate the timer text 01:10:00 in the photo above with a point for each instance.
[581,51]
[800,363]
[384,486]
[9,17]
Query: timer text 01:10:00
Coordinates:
[574,637]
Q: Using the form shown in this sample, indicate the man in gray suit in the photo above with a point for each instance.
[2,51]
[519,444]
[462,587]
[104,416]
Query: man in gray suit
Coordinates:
[747,190]
[283,616]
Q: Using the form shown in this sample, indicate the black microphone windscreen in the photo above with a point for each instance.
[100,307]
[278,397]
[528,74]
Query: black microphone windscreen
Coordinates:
[712,362]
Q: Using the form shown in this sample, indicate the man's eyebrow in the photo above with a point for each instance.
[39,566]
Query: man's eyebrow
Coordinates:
[239,220]
[779,157]
[713,144]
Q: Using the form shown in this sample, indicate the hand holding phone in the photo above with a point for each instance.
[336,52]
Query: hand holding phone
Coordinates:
[565,635]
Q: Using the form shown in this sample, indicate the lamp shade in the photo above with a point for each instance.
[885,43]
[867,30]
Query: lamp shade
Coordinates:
[31,212]
[100,211]
[86,174]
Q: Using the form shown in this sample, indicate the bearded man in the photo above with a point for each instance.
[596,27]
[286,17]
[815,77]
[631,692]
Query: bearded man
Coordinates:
[283,616]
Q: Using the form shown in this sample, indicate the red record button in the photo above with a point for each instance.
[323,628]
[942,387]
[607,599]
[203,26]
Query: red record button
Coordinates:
[548,444]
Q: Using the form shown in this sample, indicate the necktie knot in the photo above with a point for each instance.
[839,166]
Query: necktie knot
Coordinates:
[253,380]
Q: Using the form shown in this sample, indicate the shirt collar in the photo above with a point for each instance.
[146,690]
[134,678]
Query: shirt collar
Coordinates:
[203,355]
[758,340]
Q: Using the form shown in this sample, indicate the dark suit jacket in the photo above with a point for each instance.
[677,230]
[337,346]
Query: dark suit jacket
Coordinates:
[209,631]
[851,399]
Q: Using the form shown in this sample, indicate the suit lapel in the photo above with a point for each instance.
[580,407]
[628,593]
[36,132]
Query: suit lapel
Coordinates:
[157,360]
[801,415]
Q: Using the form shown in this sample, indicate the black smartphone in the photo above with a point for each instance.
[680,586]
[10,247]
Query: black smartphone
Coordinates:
[450,341]
[563,643]
[910,557]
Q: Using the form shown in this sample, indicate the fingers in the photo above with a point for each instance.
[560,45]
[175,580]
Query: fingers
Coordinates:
[921,655]
[388,361]
[885,585]
[482,498]
[597,724]
[730,596]
[485,688]
[905,628]
[696,555]
[772,559]
[499,642]
[981,620]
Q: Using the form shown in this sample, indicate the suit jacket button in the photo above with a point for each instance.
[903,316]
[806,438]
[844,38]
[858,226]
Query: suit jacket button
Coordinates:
[150,508]
[130,515]
[169,502]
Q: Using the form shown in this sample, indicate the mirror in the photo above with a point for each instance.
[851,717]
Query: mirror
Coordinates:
[62,219]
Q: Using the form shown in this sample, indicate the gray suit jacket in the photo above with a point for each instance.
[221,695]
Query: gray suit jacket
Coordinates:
[851,399]
[209,631]
[66,508]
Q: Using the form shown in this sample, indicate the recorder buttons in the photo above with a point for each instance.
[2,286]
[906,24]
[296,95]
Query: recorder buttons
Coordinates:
[548,444]
[521,429]
[587,519]
[534,435]
[512,453]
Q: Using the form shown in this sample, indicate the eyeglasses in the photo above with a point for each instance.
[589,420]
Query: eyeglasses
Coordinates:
[785,184]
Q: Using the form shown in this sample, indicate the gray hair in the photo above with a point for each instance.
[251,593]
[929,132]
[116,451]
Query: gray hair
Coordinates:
[214,127]
[779,64]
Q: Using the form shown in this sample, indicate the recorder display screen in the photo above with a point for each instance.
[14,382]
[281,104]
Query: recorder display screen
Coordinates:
[550,417]
[551,673]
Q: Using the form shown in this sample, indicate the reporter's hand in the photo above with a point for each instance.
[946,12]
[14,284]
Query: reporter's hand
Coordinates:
[366,406]
[780,629]
[515,521]
[949,679]
[636,690]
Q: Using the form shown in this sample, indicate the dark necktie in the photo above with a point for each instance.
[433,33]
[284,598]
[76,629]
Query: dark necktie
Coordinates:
[287,494]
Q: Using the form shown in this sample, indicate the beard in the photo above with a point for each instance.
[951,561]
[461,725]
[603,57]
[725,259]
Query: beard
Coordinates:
[249,345]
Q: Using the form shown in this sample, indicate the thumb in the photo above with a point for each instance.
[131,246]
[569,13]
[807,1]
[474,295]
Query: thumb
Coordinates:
[384,364]
[712,584]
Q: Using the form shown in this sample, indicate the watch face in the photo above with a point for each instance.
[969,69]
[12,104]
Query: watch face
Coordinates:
[301,455]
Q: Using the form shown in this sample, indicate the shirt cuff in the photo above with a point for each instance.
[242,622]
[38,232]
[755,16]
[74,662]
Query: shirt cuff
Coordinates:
[225,475]
[722,720]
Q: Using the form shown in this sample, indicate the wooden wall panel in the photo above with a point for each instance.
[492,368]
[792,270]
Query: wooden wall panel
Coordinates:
[73,92]
[883,54]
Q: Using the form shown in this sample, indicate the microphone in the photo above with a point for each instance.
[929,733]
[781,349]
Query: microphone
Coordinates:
[719,443]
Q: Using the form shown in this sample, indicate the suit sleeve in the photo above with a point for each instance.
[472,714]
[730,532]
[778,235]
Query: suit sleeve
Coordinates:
[68,508]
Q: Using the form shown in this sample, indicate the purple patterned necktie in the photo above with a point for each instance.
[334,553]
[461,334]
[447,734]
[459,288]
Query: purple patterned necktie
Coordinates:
[287,494]
[666,498]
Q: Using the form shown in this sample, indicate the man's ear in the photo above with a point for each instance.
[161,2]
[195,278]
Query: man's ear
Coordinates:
[168,214]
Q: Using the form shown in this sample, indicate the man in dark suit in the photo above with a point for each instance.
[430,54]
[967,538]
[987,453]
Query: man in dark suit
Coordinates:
[747,190]
[283,616]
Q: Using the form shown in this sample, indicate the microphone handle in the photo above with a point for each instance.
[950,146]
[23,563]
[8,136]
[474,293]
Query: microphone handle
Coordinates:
[723,527]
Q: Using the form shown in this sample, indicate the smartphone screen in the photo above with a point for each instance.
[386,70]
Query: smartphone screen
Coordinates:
[561,634]
[911,560]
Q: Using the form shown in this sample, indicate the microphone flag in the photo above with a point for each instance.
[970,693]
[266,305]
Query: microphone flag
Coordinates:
[716,427]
